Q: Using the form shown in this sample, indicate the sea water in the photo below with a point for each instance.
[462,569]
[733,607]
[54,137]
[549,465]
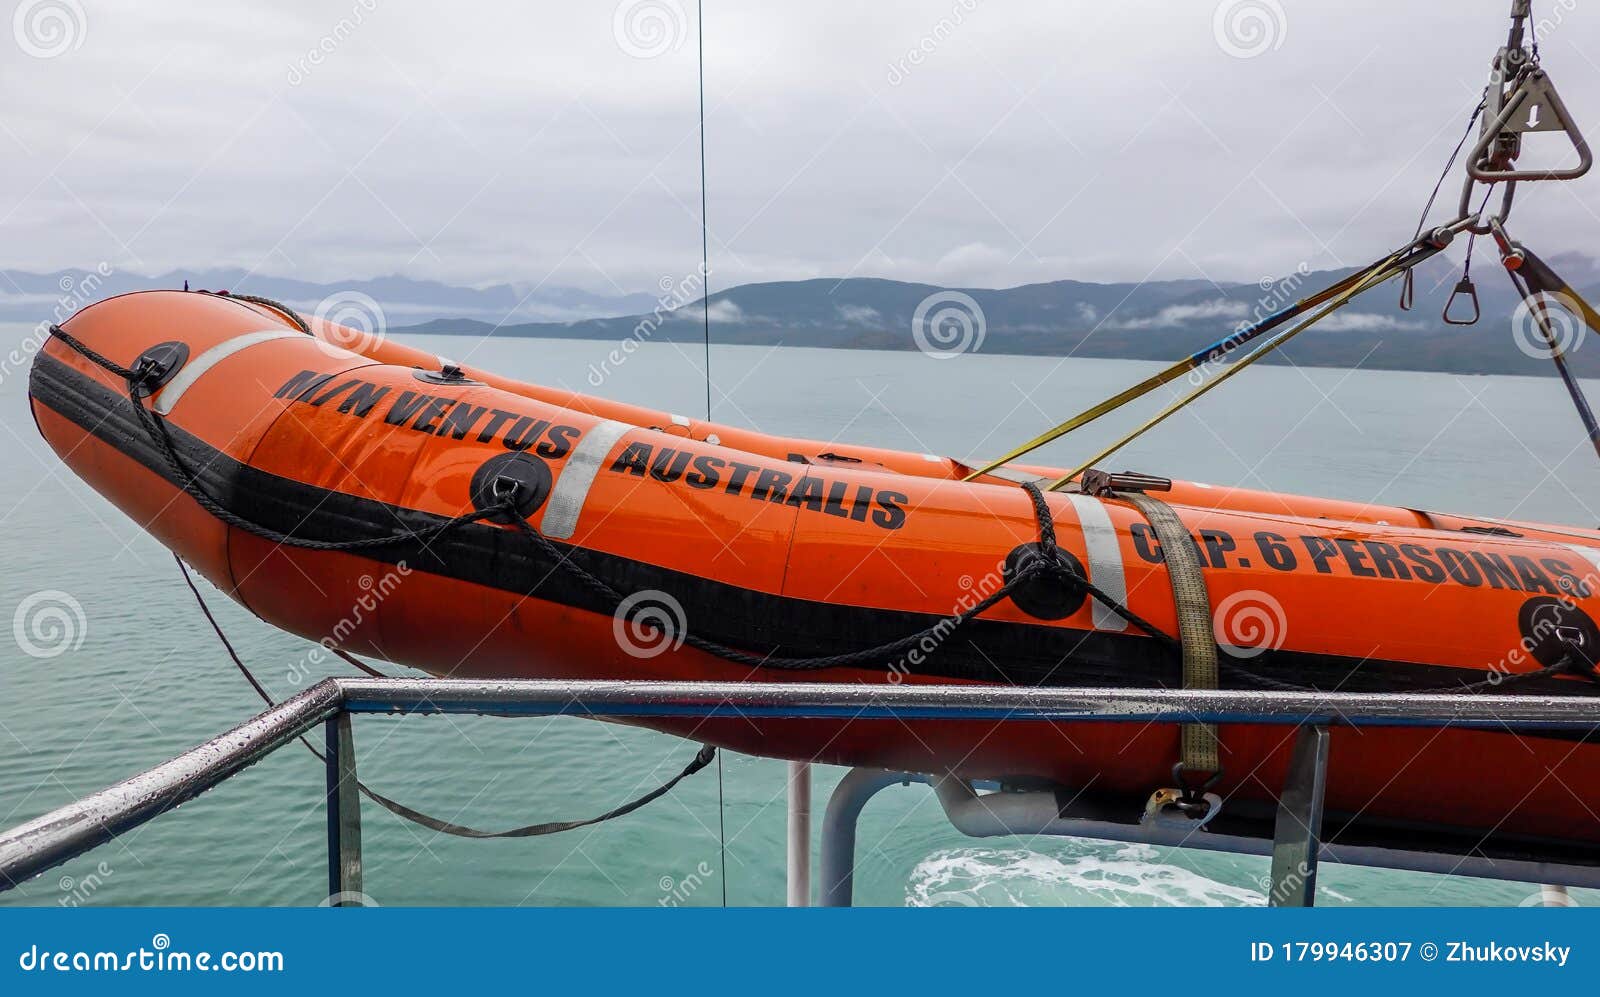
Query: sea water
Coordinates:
[138,675]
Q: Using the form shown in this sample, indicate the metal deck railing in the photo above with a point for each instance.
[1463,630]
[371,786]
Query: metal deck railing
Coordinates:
[1292,835]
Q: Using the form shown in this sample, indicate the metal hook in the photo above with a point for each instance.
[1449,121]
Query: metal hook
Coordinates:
[1194,800]
[1532,105]
[1464,287]
[505,489]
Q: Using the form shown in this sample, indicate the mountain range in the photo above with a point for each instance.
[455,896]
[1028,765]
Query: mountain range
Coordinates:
[1155,320]
[28,297]
[1152,320]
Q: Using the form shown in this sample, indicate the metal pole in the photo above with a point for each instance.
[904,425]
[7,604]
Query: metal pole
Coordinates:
[613,699]
[1521,10]
[799,834]
[72,830]
[1297,835]
[1555,896]
[344,815]
[1532,276]
[55,837]
[838,845]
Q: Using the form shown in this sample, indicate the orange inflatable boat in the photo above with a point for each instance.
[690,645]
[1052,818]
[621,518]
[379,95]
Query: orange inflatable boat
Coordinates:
[541,533]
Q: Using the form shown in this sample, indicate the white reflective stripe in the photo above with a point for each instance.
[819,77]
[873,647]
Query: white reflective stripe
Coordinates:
[572,487]
[1590,554]
[168,396]
[680,420]
[1105,559]
[933,458]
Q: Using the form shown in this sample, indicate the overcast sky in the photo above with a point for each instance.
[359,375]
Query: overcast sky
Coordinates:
[556,143]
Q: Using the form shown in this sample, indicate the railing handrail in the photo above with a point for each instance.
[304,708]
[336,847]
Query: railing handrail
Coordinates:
[71,830]
[802,700]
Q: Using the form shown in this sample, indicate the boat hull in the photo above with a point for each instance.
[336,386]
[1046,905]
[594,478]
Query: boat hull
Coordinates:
[805,559]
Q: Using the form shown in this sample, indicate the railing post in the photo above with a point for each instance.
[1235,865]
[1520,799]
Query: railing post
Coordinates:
[1555,896]
[799,834]
[838,846]
[1297,834]
[344,814]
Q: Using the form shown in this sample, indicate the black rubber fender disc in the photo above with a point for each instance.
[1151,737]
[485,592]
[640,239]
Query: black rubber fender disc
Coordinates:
[1552,627]
[1044,597]
[456,380]
[163,360]
[530,473]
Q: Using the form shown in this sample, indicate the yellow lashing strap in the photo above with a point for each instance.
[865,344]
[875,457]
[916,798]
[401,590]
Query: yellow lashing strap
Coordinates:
[1547,280]
[1200,752]
[1149,384]
[1369,279]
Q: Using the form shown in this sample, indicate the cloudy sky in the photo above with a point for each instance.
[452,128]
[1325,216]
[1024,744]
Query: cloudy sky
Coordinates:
[963,142]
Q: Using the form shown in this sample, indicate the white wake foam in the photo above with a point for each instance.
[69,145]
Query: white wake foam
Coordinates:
[1072,872]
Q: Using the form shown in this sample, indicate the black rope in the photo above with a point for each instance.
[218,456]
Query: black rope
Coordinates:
[868,656]
[227,644]
[1568,665]
[1472,237]
[1408,282]
[722,835]
[1493,680]
[356,662]
[277,306]
[1050,564]
[1063,572]
[705,245]
[701,759]
[1449,165]
[705,315]
[1533,34]
[90,355]
[188,480]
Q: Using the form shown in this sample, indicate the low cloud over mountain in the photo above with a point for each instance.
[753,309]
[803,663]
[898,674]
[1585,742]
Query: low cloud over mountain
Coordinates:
[1154,320]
